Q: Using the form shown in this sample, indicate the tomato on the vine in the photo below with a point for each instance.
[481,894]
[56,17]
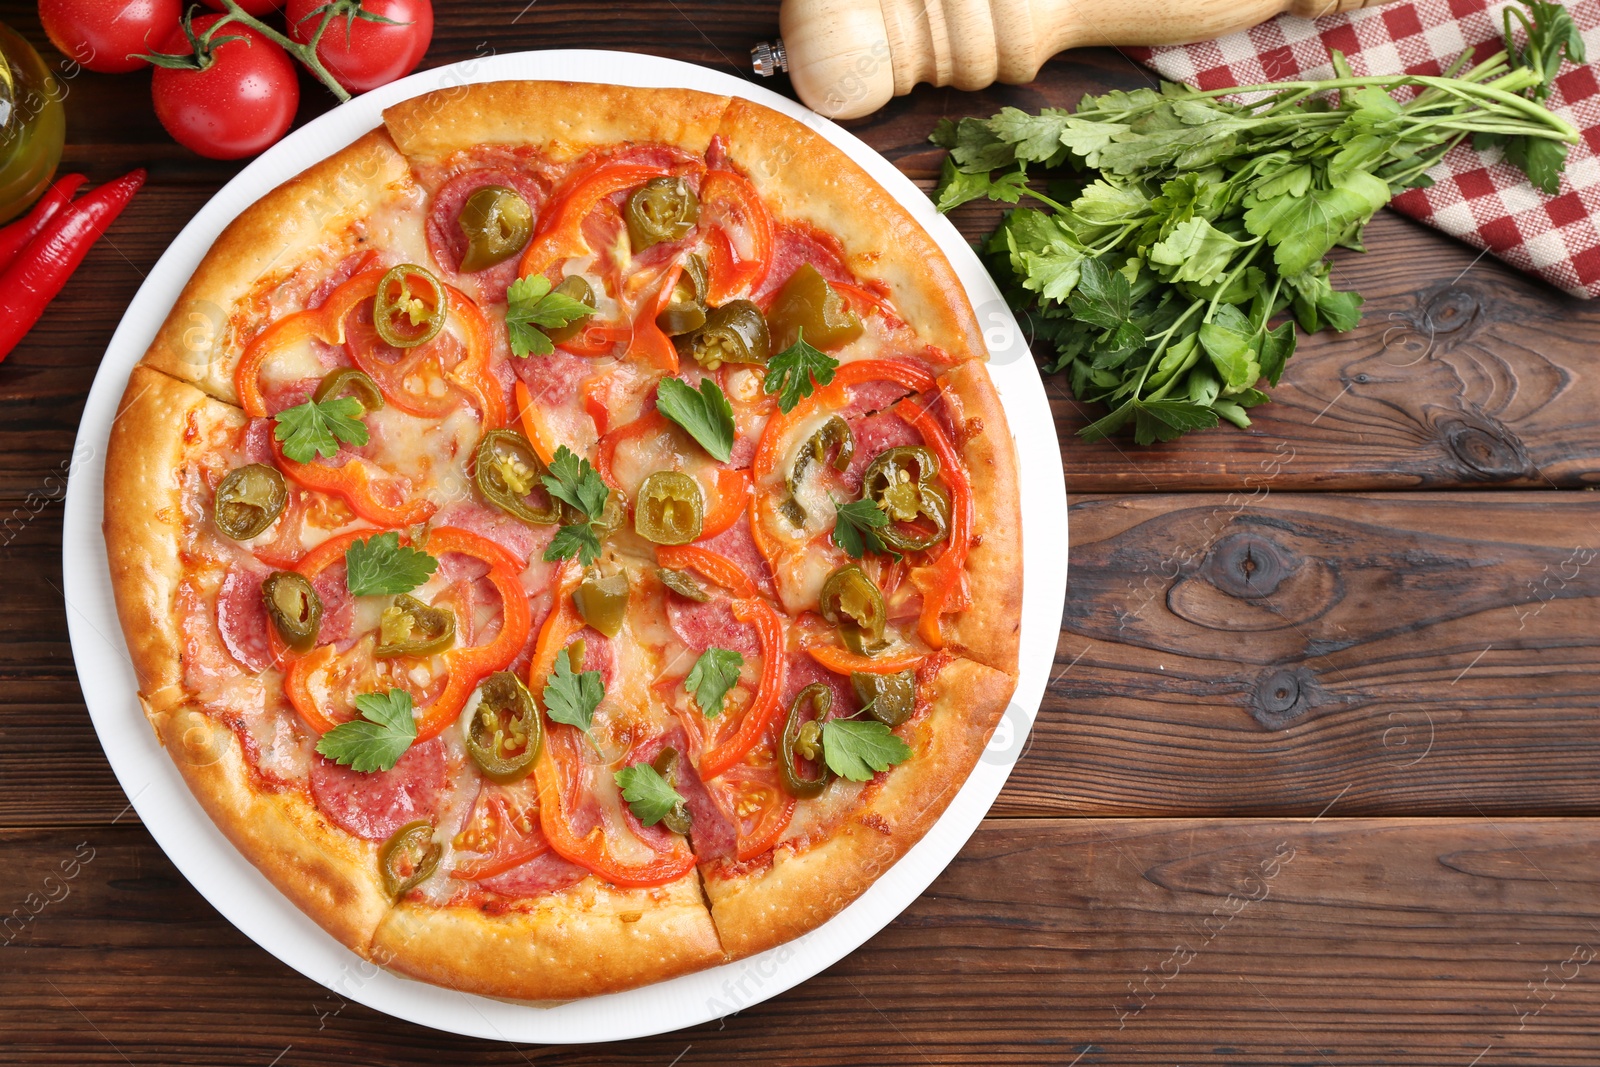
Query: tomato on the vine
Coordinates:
[360,49]
[235,99]
[108,35]
[251,7]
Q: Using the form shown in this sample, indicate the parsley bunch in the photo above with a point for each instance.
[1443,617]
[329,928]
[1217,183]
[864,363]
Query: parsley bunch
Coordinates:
[1183,225]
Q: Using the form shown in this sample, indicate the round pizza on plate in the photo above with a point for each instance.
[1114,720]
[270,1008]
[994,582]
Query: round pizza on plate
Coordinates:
[569,537]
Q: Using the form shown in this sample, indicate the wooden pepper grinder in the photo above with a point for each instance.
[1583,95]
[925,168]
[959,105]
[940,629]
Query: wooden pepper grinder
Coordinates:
[848,57]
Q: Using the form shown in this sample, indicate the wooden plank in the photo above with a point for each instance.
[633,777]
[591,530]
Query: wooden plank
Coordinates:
[1350,943]
[1440,649]
[1406,653]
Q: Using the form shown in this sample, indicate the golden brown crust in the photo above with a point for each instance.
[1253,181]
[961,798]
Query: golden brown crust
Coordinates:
[564,119]
[584,941]
[804,888]
[328,874]
[801,175]
[990,632]
[159,423]
[309,215]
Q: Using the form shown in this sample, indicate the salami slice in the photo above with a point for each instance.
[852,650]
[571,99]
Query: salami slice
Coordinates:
[375,805]
[703,626]
[545,873]
[873,434]
[736,543]
[710,832]
[448,243]
[516,537]
[338,606]
[242,618]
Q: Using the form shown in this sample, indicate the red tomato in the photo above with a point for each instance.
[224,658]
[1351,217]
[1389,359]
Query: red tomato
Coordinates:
[239,105]
[360,54]
[102,34]
[251,7]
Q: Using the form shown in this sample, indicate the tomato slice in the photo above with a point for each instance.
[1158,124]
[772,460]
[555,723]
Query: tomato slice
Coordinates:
[754,800]
[511,833]
[412,379]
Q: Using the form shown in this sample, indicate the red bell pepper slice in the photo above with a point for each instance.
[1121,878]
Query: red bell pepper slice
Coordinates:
[763,710]
[561,234]
[713,565]
[589,851]
[949,567]
[728,275]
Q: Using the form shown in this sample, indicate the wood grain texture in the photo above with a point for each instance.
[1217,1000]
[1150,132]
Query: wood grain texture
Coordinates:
[1352,943]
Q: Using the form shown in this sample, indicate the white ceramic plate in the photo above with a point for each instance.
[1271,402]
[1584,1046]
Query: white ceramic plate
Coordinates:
[248,900]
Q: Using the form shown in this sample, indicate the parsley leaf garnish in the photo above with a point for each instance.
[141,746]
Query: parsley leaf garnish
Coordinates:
[382,566]
[706,415]
[377,740]
[572,698]
[530,304]
[713,674]
[315,429]
[856,749]
[791,373]
[575,482]
[855,529]
[1181,235]
[647,793]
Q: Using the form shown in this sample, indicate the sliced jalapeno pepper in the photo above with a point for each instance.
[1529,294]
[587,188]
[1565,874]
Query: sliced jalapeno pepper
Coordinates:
[348,381]
[889,698]
[808,303]
[686,309]
[900,481]
[505,732]
[666,765]
[497,223]
[410,307]
[802,740]
[854,603]
[682,583]
[508,474]
[736,332]
[670,509]
[294,607]
[577,287]
[408,627]
[834,434]
[249,500]
[603,602]
[662,209]
[408,857]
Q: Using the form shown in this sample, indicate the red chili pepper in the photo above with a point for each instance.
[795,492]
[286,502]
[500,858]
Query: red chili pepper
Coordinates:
[44,266]
[15,237]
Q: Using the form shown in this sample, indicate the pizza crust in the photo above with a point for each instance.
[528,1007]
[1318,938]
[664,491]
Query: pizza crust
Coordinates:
[564,119]
[991,630]
[158,421]
[325,872]
[590,939]
[805,887]
[310,216]
[803,176]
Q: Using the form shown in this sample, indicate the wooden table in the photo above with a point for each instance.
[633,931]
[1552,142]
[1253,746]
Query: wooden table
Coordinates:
[1314,781]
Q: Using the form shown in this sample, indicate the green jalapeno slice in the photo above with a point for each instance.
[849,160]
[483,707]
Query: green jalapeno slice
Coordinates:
[603,602]
[808,304]
[854,603]
[682,583]
[408,857]
[505,731]
[686,308]
[348,381]
[662,209]
[802,740]
[889,698]
[834,434]
[497,223]
[900,481]
[670,509]
[249,500]
[666,765]
[577,287]
[408,627]
[508,474]
[736,332]
[410,307]
[294,608]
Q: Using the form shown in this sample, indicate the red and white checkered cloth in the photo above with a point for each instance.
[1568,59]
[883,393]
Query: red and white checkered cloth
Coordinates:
[1476,196]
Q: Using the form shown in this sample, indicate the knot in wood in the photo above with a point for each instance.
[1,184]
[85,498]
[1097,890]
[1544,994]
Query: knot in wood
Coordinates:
[1282,696]
[1248,565]
[1449,310]
[1486,451]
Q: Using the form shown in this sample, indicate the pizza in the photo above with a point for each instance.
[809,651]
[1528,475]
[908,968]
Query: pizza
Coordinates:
[569,537]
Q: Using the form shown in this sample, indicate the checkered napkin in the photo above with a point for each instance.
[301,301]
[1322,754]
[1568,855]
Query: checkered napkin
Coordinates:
[1476,196]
